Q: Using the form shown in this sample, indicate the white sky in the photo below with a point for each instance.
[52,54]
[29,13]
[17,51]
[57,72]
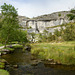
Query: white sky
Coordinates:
[33,8]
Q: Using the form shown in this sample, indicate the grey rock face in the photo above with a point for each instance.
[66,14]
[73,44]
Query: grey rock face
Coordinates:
[40,23]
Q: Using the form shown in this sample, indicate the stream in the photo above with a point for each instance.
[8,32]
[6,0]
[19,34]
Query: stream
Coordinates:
[28,66]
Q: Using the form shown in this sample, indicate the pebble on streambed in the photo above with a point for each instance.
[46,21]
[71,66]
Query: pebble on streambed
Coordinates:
[12,66]
[15,66]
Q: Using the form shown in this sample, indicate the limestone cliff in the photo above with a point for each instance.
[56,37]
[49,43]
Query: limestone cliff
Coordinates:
[40,23]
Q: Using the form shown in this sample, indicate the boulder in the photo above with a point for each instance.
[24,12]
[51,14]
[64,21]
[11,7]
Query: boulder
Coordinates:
[28,48]
[7,66]
[4,53]
[5,50]
[10,46]
[51,60]
[15,66]
[35,62]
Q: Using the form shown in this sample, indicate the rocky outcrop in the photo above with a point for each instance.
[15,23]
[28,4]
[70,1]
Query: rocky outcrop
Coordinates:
[40,23]
[48,22]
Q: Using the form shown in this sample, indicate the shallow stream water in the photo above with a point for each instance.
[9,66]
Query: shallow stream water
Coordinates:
[25,67]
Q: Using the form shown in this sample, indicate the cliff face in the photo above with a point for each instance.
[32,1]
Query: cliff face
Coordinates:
[41,23]
[22,21]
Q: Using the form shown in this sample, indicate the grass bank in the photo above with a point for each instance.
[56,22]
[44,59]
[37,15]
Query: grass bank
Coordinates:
[61,52]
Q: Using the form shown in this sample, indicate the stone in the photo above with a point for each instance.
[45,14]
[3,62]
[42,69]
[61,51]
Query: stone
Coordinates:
[4,53]
[35,62]
[50,60]
[15,66]
[5,50]
[0,54]
[10,46]
[7,66]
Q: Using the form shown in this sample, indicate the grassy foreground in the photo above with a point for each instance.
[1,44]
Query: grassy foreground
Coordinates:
[61,52]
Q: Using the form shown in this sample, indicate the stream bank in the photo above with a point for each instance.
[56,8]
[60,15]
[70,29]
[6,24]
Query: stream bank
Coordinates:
[29,65]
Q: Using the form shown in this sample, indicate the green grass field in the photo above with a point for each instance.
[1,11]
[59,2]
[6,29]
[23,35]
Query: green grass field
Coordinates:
[61,52]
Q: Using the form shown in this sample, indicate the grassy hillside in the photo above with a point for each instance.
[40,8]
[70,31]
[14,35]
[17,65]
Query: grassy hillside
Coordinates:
[61,52]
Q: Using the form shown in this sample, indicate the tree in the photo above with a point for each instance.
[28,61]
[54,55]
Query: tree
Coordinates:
[10,23]
[59,14]
[0,25]
[40,37]
[69,33]
[57,32]
[72,15]
[45,35]
[22,38]
[32,36]
[51,37]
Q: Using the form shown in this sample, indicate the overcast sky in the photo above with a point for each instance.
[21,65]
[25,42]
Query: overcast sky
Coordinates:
[33,8]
